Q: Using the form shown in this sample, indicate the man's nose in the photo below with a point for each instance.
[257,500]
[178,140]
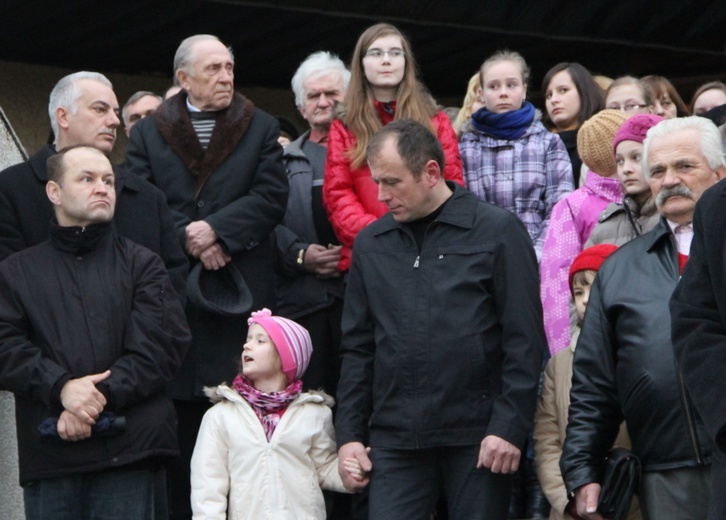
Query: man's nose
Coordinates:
[670,178]
[113,120]
[382,193]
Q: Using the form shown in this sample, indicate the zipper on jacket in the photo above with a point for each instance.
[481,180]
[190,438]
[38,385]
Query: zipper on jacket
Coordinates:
[681,385]
[689,417]
[417,262]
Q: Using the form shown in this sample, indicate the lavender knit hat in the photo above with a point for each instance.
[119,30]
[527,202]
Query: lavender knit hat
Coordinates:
[291,340]
[635,128]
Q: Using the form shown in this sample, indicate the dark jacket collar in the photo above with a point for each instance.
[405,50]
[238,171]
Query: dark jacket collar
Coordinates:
[175,125]
[658,236]
[459,211]
[77,240]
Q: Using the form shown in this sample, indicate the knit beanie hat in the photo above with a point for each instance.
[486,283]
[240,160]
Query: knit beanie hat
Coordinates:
[595,141]
[635,128]
[590,259]
[291,340]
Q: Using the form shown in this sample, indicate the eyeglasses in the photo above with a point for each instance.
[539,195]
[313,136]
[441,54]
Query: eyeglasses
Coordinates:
[630,107]
[391,53]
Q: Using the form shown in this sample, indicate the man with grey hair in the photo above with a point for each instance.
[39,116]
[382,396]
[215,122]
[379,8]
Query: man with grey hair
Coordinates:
[699,326]
[624,366]
[140,105]
[217,159]
[309,286]
[83,110]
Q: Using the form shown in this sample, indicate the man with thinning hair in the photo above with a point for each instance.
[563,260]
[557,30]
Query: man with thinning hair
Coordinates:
[216,157]
[442,340]
[91,330]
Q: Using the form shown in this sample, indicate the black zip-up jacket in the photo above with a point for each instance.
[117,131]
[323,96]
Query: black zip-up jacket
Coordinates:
[624,367]
[441,347]
[80,303]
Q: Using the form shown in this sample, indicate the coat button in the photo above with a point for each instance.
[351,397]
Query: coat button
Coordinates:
[200,204]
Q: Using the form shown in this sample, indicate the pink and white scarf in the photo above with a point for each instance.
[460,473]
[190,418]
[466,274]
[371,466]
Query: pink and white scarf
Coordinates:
[268,407]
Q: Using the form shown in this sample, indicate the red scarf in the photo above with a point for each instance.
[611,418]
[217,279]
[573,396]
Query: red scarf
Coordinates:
[268,407]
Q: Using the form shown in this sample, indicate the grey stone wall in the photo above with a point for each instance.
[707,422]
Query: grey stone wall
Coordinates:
[11,498]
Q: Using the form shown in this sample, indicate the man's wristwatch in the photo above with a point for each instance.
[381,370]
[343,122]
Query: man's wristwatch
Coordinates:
[301,258]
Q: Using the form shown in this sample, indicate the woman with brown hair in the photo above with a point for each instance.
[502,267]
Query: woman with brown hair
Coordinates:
[666,101]
[383,87]
[572,96]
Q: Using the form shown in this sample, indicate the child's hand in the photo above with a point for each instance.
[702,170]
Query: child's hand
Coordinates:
[353,467]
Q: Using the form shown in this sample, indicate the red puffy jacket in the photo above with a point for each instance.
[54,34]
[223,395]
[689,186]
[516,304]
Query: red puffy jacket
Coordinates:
[351,197]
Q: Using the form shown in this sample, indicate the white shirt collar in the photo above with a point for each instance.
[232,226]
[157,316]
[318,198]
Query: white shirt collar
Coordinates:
[191,107]
[683,235]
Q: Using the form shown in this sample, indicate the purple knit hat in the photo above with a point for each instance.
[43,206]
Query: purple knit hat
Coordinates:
[291,340]
[635,128]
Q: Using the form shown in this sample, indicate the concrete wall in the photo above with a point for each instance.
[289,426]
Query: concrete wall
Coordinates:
[11,497]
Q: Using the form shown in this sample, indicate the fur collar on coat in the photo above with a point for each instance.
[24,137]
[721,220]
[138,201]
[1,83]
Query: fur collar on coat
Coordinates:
[175,125]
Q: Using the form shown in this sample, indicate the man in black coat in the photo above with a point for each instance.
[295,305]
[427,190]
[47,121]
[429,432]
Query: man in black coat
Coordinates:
[91,331]
[698,310]
[83,110]
[217,159]
[442,340]
[624,367]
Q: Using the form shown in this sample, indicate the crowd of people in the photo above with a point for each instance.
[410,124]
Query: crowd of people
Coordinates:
[470,307]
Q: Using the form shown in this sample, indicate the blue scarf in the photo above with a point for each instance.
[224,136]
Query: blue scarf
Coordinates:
[508,125]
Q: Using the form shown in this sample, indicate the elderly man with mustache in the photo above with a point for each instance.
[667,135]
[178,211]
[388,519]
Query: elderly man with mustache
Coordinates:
[624,366]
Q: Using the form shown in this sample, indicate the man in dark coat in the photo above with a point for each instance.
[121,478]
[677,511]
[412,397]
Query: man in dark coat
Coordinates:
[83,110]
[91,331]
[698,310]
[442,340]
[217,159]
[309,285]
[624,367]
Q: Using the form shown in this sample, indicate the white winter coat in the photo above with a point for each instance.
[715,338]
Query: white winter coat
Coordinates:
[234,464]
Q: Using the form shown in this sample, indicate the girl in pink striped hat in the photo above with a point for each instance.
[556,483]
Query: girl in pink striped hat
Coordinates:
[267,449]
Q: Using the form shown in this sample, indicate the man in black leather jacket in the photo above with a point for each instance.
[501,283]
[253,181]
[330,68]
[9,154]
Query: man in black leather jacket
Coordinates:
[624,366]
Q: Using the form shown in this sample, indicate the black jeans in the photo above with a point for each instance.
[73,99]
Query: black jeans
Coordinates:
[406,484]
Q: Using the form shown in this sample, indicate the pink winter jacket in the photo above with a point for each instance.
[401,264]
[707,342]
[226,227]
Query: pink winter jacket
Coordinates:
[571,223]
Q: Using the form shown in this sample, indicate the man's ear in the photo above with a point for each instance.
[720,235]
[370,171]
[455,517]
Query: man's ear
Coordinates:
[181,77]
[52,189]
[433,172]
[61,116]
[721,172]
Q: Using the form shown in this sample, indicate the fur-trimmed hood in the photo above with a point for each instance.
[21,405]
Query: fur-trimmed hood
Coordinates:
[224,392]
[175,125]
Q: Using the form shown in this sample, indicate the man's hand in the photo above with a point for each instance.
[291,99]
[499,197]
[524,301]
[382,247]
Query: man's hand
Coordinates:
[498,455]
[586,499]
[322,261]
[82,398]
[214,257]
[200,236]
[71,428]
[354,450]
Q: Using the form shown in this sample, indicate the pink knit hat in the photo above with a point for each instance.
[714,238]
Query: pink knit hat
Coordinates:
[291,340]
[635,128]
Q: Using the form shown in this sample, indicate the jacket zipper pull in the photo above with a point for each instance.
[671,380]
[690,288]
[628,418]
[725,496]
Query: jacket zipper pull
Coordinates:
[415,264]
